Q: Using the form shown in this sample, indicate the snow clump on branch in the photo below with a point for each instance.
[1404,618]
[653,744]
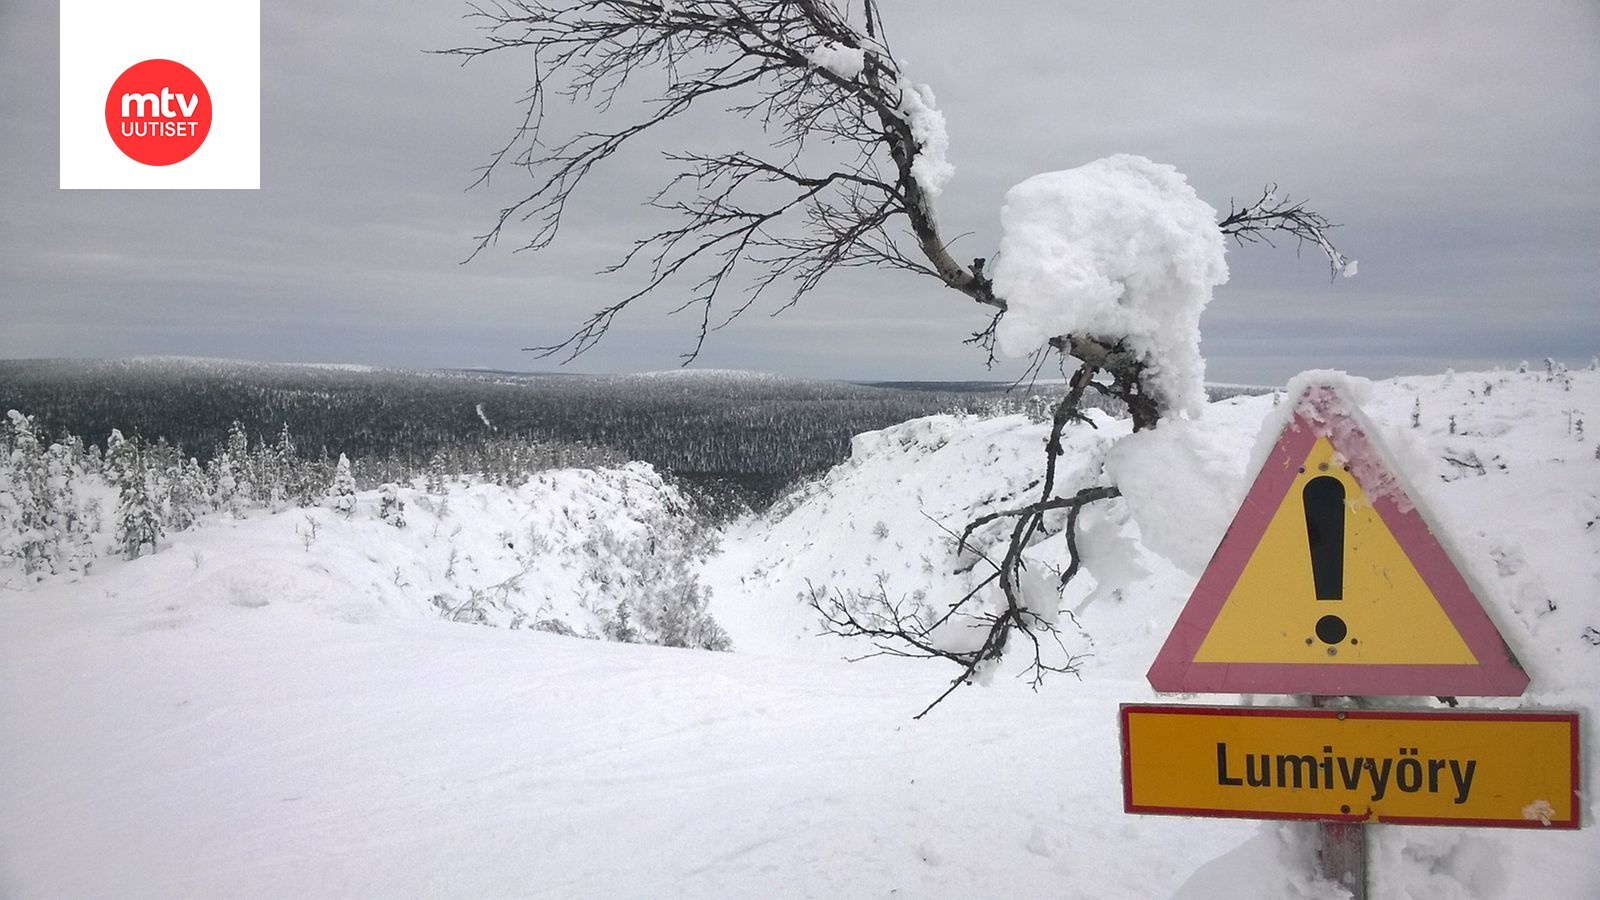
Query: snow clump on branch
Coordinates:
[931,168]
[845,62]
[1120,250]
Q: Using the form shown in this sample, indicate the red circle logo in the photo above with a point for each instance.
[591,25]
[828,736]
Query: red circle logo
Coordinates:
[158,112]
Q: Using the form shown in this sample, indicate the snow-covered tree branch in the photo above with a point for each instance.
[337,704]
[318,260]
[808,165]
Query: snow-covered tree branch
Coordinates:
[1268,215]
[855,157]
[1110,263]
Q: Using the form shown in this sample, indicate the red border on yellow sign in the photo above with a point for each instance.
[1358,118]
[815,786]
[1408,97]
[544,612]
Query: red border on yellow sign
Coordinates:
[1321,414]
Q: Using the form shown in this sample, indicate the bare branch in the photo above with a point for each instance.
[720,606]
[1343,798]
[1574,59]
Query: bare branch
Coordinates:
[877,617]
[1269,214]
[761,220]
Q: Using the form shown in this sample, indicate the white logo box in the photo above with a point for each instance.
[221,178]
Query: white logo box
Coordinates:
[220,40]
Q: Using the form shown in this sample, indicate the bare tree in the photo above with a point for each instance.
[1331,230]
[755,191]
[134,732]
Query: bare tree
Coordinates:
[847,179]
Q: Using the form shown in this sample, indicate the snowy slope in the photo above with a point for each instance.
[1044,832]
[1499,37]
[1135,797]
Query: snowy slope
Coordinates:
[249,713]
[883,516]
[557,553]
[1500,459]
[261,752]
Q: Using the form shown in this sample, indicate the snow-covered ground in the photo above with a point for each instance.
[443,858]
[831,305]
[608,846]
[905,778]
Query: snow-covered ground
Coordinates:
[255,712]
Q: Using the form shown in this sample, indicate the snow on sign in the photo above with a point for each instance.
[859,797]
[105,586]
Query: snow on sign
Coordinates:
[1330,581]
[1504,769]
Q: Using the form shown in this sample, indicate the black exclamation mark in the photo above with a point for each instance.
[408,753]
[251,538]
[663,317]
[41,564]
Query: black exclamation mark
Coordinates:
[1324,501]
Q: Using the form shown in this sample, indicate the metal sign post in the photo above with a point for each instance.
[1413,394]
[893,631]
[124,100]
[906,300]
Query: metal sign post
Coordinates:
[1342,856]
[1342,846]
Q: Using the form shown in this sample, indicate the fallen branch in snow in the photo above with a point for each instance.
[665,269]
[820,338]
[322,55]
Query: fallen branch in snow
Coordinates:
[1469,463]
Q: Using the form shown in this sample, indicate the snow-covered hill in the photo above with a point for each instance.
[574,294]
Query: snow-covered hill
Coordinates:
[279,705]
[1502,458]
[570,551]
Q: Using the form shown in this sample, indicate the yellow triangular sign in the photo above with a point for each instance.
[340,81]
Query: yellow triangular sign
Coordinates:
[1330,581]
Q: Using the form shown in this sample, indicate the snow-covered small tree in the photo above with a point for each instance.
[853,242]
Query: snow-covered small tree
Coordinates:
[233,472]
[137,517]
[342,494]
[299,482]
[32,523]
[78,511]
[185,493]
[223,475]
[435,478]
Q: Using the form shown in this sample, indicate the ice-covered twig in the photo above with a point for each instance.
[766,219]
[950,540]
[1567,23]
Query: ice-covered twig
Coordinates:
[1269,214]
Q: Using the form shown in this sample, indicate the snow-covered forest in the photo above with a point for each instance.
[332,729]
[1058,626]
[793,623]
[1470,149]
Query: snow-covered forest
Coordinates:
[761,430]
[302,700]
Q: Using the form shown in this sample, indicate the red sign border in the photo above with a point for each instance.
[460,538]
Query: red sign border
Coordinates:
[1287,712]
[1497,673]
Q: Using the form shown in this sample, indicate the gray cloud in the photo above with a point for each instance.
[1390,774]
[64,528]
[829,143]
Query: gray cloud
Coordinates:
[1458,142]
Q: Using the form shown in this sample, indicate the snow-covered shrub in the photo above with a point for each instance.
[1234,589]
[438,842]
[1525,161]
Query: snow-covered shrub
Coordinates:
[680,619]
[391,508]
[473,611]
[554,626]
[646,588]
[618,626]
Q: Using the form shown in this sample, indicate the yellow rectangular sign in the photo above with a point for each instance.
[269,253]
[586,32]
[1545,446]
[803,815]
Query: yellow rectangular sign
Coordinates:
[1509,769]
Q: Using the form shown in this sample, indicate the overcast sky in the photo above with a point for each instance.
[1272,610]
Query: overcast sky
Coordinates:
[1457,142]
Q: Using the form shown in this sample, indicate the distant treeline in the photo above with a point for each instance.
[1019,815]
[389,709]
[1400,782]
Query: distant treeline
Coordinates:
[754,433]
